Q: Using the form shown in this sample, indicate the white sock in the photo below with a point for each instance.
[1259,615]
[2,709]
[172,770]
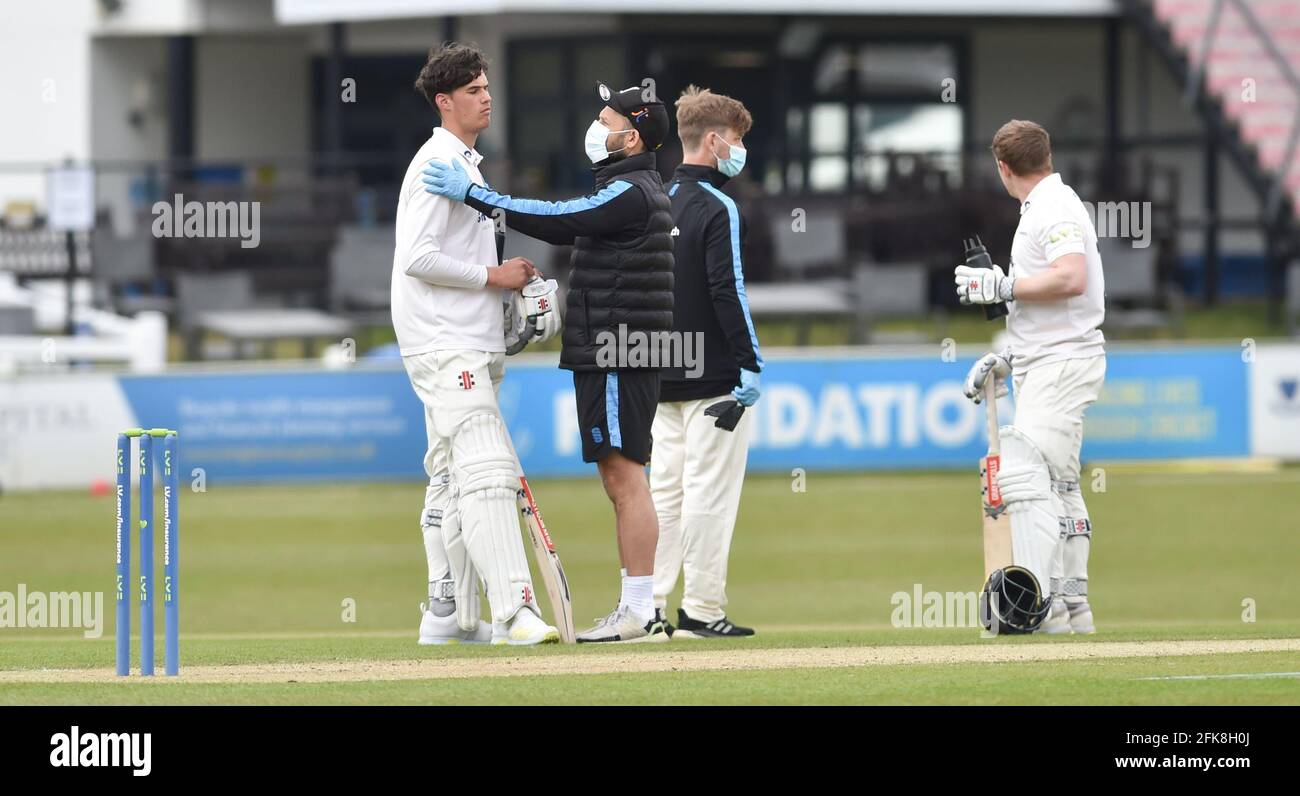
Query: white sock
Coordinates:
[638,596]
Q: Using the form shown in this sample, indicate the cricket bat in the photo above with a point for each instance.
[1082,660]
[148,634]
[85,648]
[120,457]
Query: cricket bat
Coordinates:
[548,561]
[997,525]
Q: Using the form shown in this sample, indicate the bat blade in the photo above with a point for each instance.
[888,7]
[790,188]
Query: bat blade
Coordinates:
[997,525]
[548,562]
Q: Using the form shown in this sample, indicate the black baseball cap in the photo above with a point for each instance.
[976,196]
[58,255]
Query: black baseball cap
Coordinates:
[648,117]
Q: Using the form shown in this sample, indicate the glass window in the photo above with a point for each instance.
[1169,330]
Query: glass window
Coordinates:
[829,174]
[930,132]
[794,124]
[904,68]
[794,176]
[598,63]
[829,128]
[540,134]
[832,75]
[536,72]
[873,115]
[908,128]
[772,177]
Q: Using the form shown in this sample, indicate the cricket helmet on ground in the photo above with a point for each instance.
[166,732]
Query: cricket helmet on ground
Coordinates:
[1014,600]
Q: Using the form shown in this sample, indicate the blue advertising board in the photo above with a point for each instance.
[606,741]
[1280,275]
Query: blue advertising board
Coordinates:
[845,411]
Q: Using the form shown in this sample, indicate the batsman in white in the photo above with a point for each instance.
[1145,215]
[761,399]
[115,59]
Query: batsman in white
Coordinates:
[447,300]
[1054,292]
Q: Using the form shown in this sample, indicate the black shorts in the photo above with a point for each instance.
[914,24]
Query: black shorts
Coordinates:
[615,412]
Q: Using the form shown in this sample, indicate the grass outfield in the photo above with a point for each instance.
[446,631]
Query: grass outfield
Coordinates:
[266,571]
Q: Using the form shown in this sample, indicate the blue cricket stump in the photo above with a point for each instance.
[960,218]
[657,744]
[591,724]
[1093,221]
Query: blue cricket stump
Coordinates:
[171,526]
[146,554]
[123,503]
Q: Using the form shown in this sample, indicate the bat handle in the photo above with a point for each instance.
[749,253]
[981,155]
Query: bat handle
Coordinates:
[991,414]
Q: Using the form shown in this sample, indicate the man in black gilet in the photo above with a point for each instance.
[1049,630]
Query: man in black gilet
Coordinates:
[620,290]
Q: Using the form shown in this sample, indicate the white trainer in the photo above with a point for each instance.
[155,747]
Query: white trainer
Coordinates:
[526,630]
[1057,622]
[436,629]
[622,627]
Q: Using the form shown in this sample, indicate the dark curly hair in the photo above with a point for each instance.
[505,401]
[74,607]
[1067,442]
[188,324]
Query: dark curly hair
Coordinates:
[450,66]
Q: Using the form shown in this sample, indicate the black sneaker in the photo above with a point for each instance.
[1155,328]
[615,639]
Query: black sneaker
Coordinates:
[723,628]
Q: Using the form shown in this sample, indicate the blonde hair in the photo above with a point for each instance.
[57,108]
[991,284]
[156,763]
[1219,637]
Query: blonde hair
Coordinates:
[700,111]
[1025,147]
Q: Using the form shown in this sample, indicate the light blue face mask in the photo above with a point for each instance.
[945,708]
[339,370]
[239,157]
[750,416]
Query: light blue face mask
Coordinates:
[732,165]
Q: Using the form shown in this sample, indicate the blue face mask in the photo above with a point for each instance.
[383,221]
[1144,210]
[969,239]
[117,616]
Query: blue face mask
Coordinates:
[732,165]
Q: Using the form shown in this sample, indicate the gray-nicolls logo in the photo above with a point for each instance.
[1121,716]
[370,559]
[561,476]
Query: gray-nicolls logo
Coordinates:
[77,749]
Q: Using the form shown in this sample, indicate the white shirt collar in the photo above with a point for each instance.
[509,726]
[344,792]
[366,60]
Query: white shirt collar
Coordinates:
[467,152]
[1050,180]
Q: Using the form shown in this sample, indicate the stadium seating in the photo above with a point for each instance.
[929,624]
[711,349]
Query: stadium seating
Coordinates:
[1257,93]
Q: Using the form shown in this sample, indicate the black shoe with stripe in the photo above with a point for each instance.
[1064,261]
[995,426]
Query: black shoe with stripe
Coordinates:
[723,628]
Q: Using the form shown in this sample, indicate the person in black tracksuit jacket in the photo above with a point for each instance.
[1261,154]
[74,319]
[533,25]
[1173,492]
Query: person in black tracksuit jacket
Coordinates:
[621,284]
[708,290]
[701,433]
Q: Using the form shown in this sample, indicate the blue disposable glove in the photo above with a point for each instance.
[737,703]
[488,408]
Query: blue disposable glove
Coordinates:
[747,393]
[446,180]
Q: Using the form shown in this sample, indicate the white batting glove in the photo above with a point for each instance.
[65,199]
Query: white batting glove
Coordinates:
[530,314]
[999,365]
[539,305]
[983,285]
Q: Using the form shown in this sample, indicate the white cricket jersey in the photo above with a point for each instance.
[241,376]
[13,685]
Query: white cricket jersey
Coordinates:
[458,312]
[1053,223]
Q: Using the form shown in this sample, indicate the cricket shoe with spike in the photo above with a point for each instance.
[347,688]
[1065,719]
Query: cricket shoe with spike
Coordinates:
[1057,622]
[526,629]
[1081,618]
[622,627]
[436,630]
[722,628]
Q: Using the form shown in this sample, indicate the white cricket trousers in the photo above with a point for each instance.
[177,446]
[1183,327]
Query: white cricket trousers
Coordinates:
[696,474]
[455,386]
[1050,402]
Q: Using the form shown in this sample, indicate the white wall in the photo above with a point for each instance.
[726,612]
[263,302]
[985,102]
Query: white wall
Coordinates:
[171,17]
[44,102]
[126,74]
[150,17]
